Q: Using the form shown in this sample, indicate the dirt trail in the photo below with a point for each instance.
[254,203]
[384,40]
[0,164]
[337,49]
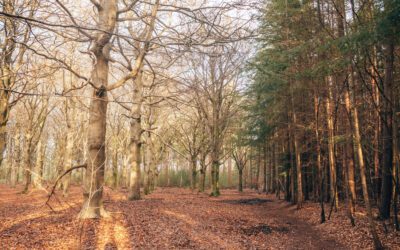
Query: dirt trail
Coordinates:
[167,219]
[246,220]
[302,235]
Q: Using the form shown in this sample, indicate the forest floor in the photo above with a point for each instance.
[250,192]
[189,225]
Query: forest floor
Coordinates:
[173,218]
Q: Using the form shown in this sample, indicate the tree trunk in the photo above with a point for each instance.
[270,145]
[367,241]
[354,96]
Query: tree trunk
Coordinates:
[215,169]
[94,179]
[215,176]
[135,142]
[151,164]
[250,172]
[229,172]
[288,168]
[270,166]
[273,170]
[135,173]
[317,139]
[277,175]
[114,165]
[245,177]
[377,129]
[16,159]
[7,76]
[265,158]
[299,197]
[387,135]
[13,174]
[4,113]
[349,197]
[395,170]
[27,160]
[240,186]
[193,178]
[357,143]
[68,158]
[59,159]
[202,183]
[257,184]
[350,155]
[125,173]
[203,170]
[152,175]
[331,145]
[167,171]
[146,167]
[37,173]
[292,173]
[351,172]
[298,172]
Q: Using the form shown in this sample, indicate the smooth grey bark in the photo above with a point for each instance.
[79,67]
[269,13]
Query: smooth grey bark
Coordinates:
[135,141]
[94,177]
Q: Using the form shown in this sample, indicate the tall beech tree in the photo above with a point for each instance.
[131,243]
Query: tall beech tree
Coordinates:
[107,13]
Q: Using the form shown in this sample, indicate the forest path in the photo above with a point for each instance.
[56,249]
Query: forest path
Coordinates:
[302,234]
[179,218]
[169,218]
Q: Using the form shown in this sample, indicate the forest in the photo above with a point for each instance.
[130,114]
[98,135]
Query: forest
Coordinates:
[199,124]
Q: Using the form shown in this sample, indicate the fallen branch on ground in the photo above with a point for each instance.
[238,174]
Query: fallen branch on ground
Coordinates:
[53,189]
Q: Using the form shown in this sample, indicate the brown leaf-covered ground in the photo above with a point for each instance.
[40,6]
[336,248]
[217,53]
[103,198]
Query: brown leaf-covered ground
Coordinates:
[174,219]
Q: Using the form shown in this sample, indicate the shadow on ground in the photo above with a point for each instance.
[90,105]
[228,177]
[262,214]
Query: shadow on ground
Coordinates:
[253,201]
